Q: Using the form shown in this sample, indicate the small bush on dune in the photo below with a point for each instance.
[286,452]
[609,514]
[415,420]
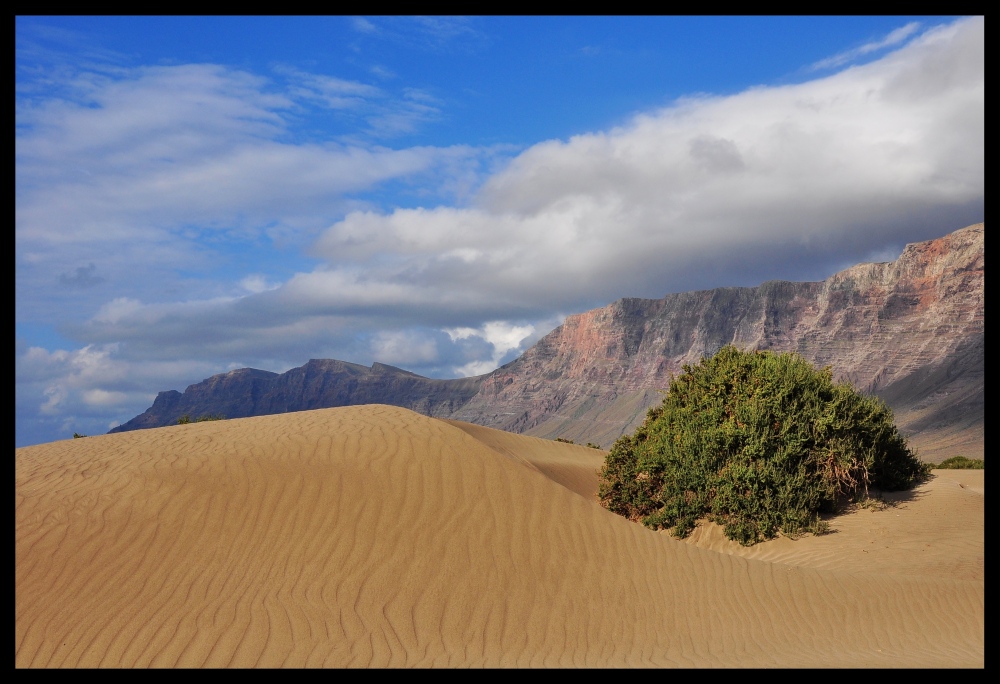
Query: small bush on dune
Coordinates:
[758,442]
[570,441]
[186,418]
[962,463]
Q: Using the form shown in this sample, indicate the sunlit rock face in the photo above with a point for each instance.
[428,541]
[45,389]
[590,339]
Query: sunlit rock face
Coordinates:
[910,331]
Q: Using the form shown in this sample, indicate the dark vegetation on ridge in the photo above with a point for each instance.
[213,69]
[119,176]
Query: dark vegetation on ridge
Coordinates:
[186,418]
[758,442]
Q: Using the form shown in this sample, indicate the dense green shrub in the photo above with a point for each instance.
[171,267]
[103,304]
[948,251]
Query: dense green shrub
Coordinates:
[758,442]
[962,463]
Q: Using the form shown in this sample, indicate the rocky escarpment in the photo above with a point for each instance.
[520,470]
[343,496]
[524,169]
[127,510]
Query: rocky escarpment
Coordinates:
[321,383]
[910,331]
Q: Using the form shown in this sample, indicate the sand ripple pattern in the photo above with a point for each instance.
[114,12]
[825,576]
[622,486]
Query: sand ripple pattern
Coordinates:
[376,537]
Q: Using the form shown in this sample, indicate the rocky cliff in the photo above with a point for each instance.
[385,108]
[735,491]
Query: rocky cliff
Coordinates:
[910,331]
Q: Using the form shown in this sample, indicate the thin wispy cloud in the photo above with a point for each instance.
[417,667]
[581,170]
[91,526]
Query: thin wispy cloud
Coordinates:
[432,33]
[383,73]
[362,25]
[892,39]
[329,91]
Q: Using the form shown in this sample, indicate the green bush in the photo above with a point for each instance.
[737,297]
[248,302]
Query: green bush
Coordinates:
[962,463]
[758,442]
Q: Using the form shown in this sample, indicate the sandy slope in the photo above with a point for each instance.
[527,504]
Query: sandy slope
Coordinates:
[373,536]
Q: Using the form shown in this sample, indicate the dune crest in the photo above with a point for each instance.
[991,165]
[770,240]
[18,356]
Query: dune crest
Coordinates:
[372,536]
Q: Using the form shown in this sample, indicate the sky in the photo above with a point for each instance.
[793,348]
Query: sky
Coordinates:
[198,194]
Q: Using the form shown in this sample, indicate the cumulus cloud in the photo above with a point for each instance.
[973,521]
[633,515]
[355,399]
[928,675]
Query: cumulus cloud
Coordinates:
[772,182]
[60,392]
[63,379]
[709,191]
[502,336]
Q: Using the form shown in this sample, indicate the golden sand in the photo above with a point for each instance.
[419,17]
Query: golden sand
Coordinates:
[373,536]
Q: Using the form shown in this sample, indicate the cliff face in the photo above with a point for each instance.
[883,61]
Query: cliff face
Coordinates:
[910,331]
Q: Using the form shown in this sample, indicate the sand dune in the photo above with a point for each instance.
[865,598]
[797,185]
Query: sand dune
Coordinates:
[376,537]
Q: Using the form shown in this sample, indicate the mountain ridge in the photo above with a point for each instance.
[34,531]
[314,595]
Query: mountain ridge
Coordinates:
[910,331]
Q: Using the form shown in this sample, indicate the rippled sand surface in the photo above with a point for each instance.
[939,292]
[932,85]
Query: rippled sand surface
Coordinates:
[373,536]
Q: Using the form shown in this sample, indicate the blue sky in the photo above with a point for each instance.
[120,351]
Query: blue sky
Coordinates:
[194,195]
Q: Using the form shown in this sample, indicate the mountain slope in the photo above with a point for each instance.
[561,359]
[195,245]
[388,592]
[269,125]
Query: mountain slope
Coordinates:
[910,331]
[321,383]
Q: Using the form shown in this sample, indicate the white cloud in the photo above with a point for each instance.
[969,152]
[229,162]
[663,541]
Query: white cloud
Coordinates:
[502,336]
[60,392]
[139,174]
[117,309]
[54,396]
[407,348]
[712,190]
[383,73]
[99,397]
[64,379]
[332,92]
[256,283]
[894,37]
[130,158]
[362,25]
